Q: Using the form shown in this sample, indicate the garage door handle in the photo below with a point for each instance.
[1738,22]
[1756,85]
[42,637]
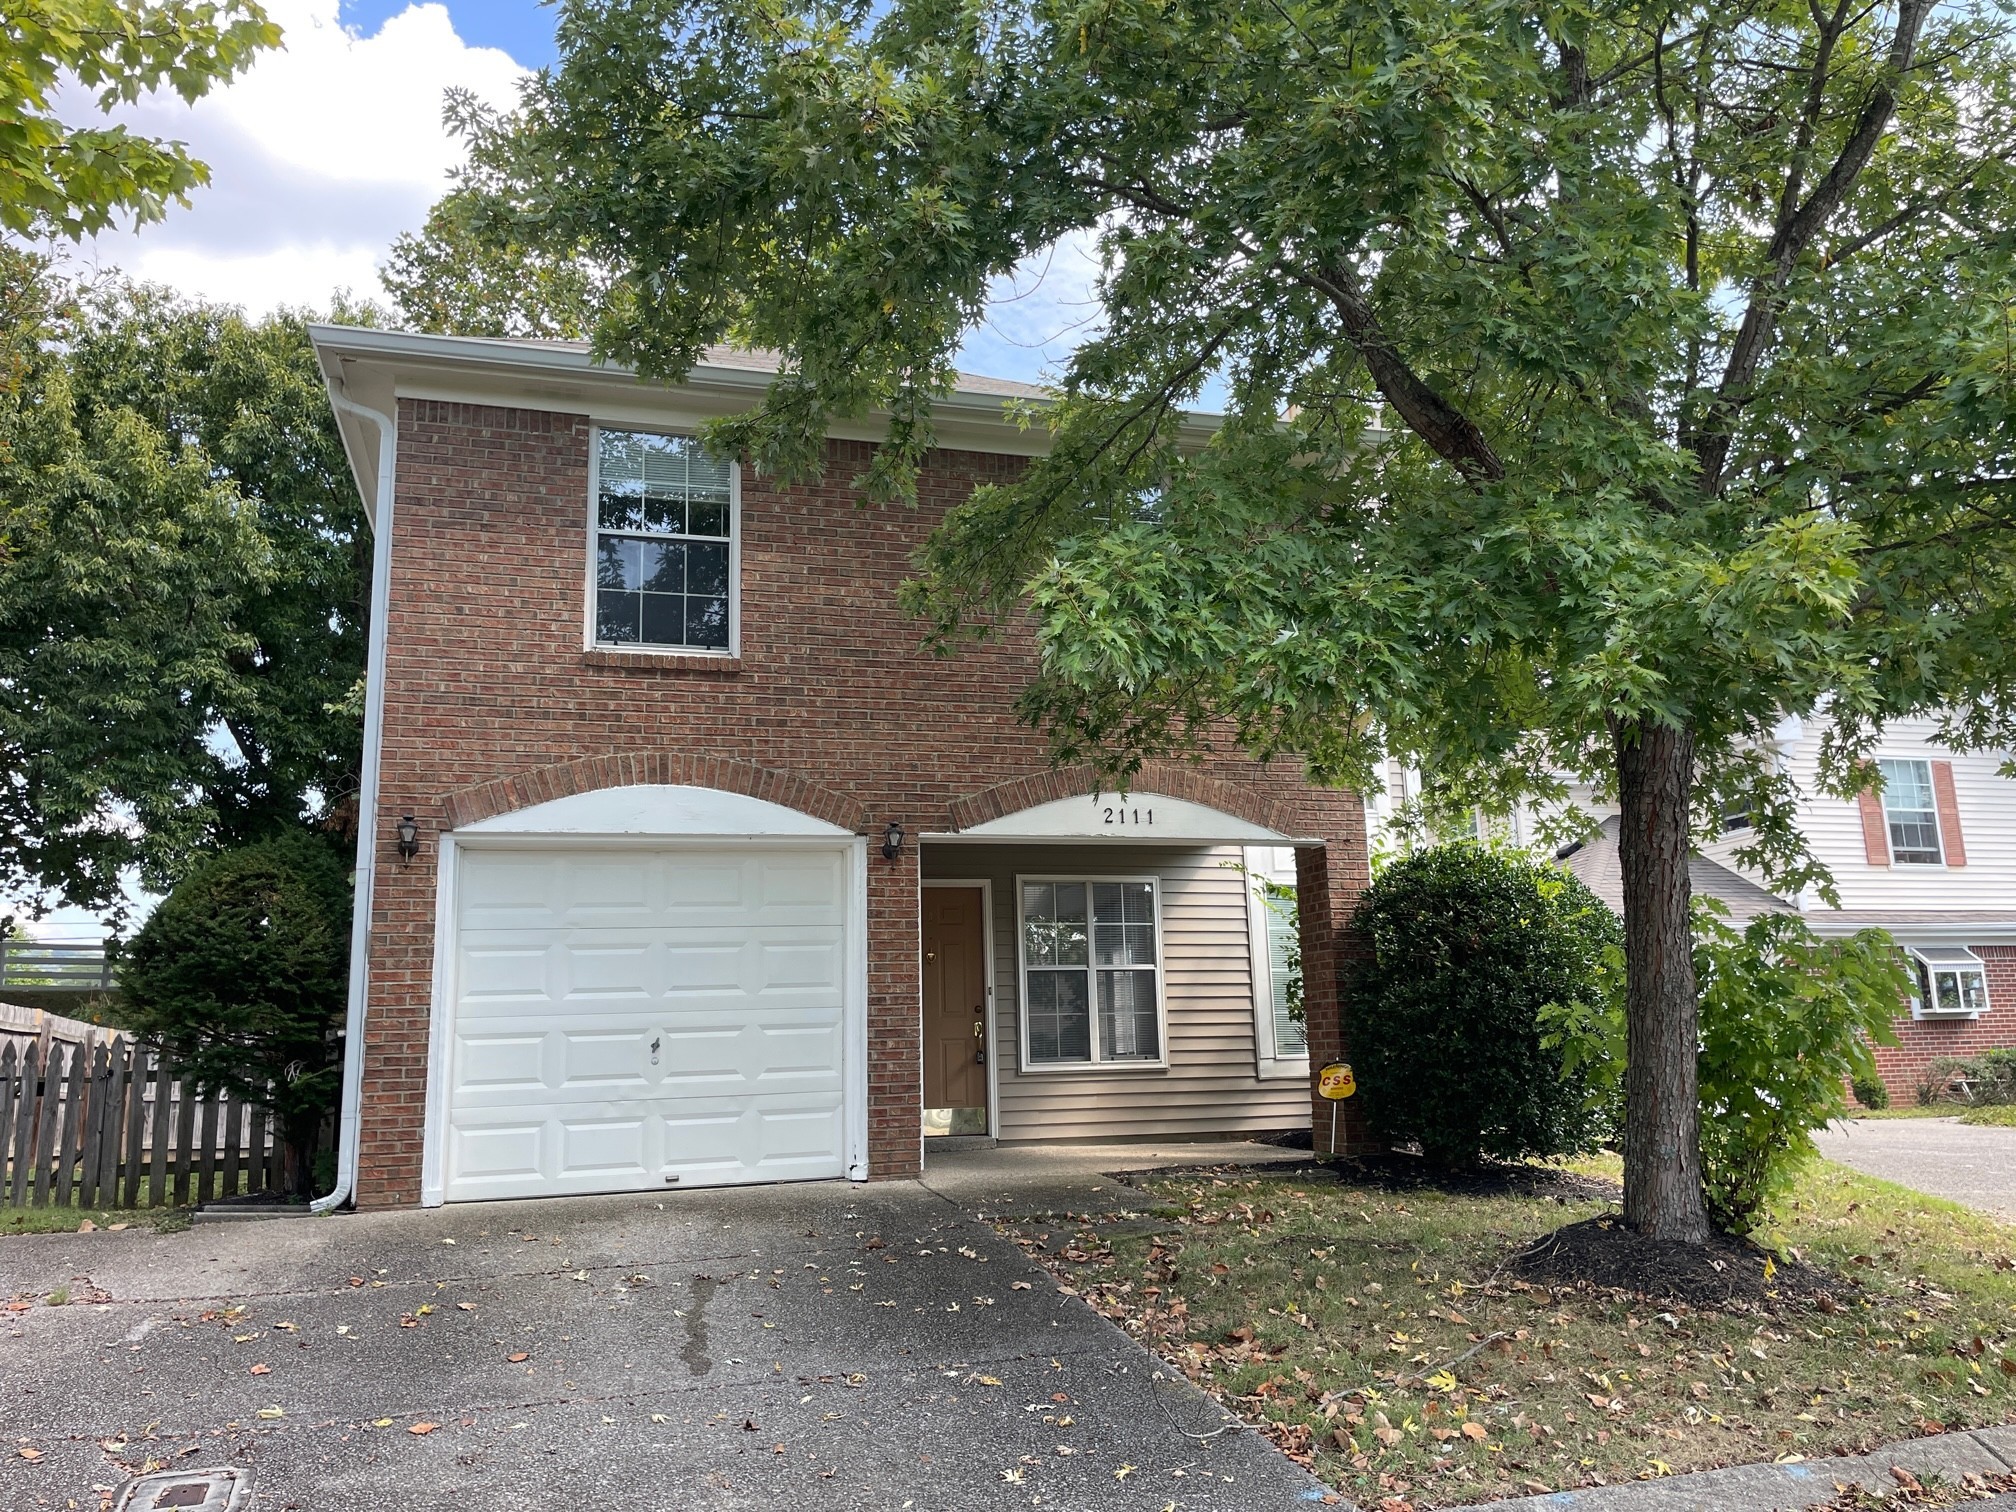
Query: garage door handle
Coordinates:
[654,1049]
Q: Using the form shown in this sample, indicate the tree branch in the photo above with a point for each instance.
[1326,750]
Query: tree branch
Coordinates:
[1798,223]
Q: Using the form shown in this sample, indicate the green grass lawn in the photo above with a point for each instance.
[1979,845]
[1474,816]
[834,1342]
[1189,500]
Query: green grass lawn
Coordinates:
[1371,1333]
[59,1220]
[1915,1110]
[1992,1116]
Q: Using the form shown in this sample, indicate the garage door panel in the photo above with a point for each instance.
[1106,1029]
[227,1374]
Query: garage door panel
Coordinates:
[603,1146]
[502,1062]
[625,1019]
[498,974]
[603,1061]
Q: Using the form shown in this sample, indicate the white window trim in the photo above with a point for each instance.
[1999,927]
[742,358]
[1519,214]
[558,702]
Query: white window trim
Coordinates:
[1270,1063]
[1919,963]
[1938,830]
[1094,1066]
[635,648]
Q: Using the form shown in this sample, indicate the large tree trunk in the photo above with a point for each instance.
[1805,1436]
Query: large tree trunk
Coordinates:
[1662,1117]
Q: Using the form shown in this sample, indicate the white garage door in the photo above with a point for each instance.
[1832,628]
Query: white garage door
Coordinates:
[630,1019]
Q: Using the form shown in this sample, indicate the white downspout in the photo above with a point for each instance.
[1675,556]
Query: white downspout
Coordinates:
[367,808]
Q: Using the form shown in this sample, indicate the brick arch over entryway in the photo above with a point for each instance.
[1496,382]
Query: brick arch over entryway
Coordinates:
[1175,779]
[563,779]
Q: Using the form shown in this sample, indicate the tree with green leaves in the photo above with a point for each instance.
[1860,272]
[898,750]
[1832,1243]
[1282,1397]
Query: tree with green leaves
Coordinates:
[240,977]
[75,180]
[183,572]
[1605,381]
[463,275]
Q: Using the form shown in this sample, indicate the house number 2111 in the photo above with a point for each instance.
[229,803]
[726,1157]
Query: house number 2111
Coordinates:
[1129,816]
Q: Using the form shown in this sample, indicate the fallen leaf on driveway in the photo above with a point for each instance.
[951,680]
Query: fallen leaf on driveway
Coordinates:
[260,1370]
[1123,1472]
[466,1306]
[28,1454]
[423,1309]
[519,1358]
[356,1280]
[421,1430]
[381,1422]
[271,1412]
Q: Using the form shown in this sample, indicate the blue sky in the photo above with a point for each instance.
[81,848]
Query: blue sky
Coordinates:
[521,28]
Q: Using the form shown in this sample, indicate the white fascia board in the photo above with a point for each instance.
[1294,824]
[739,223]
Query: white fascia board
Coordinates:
[1958,932]
[381,367]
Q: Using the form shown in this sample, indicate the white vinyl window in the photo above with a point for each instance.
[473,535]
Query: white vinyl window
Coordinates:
[1952,982]
[1091,971]
[1909,807]
[665,556]
[1269,876]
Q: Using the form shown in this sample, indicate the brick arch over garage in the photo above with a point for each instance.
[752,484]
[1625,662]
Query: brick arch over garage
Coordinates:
[485,800]
[1171,778]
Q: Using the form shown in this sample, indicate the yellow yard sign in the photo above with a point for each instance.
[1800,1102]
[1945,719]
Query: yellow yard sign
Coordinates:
[1335,1081]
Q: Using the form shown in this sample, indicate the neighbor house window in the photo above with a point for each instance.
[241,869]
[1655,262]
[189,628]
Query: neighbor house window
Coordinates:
[1952,982]
[1090,959]
[1908,806]
[664,543]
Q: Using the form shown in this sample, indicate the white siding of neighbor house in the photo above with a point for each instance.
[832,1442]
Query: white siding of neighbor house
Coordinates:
[1986,802]
[1211,1084]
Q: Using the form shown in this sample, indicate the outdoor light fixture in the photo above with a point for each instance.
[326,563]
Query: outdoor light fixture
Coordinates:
[409,838]
[892,841]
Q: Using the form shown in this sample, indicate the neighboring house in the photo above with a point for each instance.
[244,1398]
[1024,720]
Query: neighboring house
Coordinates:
[682,864]
[1931,859]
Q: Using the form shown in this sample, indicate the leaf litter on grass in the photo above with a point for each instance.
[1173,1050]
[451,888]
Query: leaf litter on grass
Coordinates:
[1377,1332]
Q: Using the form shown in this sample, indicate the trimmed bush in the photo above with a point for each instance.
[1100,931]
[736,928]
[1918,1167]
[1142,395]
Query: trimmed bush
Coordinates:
[1467,947]
[1870,1091]
[240,976]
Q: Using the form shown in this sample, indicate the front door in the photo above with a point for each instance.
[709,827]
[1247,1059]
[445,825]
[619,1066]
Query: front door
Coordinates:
[955,1012]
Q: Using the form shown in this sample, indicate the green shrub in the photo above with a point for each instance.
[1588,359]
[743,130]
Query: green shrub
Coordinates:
[239,977]
[1995,1085]
[1870,1092]
[1786,1018]
[1466,948]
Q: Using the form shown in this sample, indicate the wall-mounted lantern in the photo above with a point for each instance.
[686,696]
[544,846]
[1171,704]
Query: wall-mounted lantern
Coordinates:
[892,841]
[409,837]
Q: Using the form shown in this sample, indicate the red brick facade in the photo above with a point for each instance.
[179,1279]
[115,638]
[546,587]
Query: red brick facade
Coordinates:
[1926,1040]
[831,707]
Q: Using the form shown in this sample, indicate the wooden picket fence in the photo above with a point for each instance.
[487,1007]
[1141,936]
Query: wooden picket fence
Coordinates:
[100,1126]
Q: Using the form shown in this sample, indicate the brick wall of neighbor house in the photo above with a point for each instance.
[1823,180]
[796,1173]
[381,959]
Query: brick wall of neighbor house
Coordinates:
[831,707]
[1923,1041]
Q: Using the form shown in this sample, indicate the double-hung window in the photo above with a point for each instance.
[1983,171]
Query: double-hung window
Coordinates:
[1909,808]
[665,550]
[1269,875]
[1091,972]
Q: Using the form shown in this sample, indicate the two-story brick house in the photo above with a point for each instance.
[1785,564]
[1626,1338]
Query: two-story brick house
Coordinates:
[683,864]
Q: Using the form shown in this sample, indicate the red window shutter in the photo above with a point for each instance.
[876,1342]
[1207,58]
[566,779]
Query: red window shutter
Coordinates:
[1949,814]
[1875,828]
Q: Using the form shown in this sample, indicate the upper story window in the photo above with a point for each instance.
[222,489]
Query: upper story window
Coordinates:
[665,548]
[1908,806]
[1090,972]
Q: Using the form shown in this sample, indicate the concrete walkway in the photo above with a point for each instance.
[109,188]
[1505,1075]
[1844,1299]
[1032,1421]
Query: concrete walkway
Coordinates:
[1941,1156]
[820,1345]
[1987,1452]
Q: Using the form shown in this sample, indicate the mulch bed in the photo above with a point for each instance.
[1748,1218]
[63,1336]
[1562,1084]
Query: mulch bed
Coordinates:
[1602,1254]
[1398,1171]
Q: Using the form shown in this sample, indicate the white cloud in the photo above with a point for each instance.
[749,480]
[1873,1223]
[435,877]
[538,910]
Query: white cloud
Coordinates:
[320,155]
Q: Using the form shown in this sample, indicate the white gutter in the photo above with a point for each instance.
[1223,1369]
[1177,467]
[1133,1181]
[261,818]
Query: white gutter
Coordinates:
[367,805]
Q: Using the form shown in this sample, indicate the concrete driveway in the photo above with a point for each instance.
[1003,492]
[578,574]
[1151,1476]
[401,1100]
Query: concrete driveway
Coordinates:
[819,1346]
[1941,1156]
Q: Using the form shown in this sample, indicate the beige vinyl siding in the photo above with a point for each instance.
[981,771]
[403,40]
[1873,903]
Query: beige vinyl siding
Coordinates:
[1211,1084]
